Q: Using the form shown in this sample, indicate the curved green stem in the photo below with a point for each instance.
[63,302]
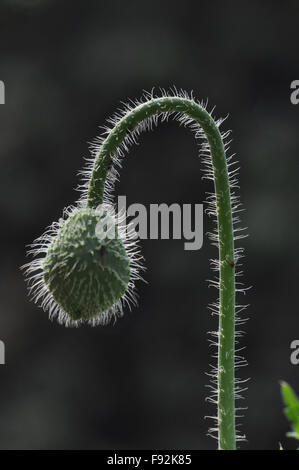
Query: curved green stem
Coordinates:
[226,340]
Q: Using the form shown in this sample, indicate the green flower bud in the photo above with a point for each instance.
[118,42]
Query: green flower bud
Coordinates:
[88,268]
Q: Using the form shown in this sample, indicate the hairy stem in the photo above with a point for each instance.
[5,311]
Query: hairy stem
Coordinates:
[226,333]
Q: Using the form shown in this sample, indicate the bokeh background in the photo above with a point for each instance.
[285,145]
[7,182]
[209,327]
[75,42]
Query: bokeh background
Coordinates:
[141,384]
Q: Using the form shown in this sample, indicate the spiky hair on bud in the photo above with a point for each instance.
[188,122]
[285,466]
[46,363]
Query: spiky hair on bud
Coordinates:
[85,267]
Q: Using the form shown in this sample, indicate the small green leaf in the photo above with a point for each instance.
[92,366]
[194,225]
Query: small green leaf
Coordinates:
[292,408]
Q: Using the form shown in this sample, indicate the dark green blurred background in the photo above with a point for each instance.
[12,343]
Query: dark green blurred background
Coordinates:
[141,384]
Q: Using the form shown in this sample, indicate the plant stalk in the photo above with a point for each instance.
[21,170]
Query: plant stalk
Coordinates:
[226,332]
